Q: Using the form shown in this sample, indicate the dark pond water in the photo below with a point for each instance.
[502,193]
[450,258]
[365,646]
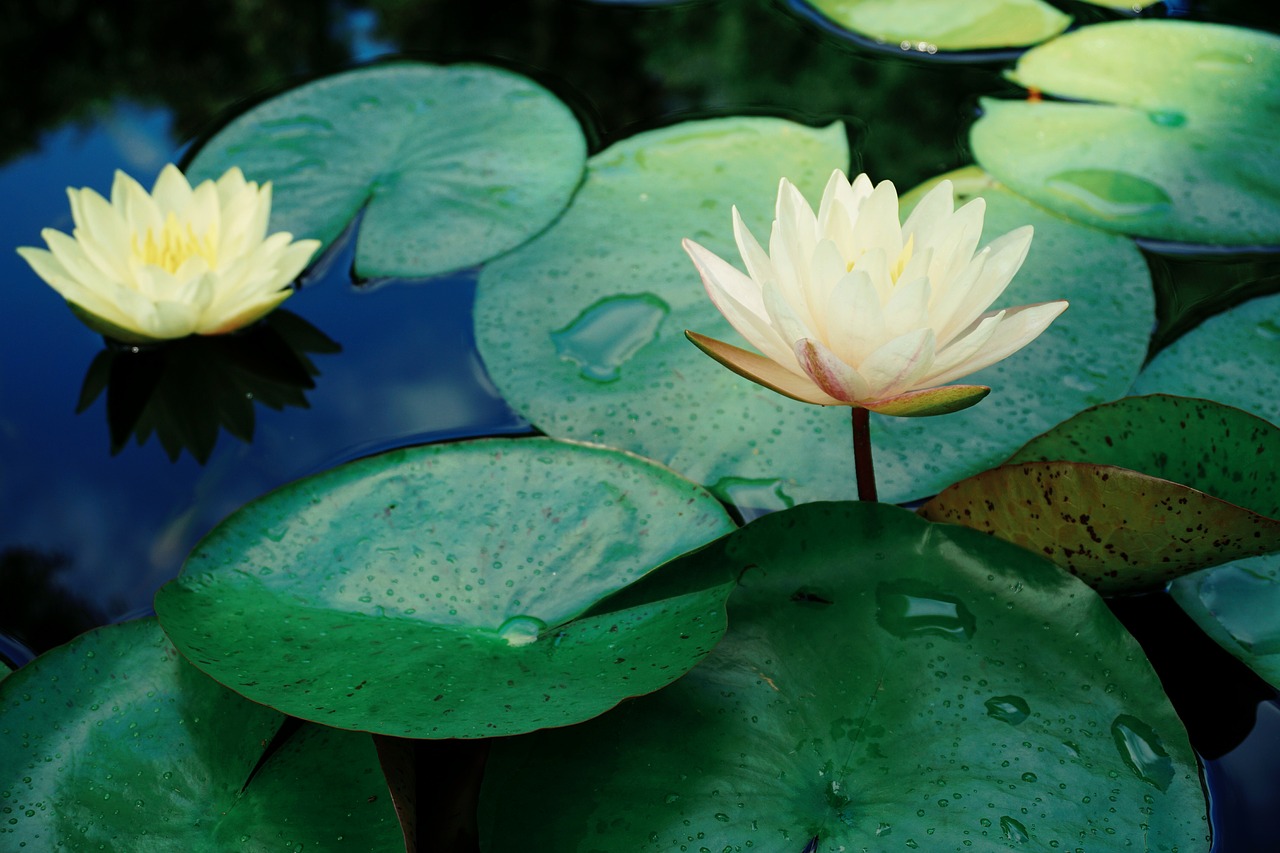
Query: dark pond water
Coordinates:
[94,521]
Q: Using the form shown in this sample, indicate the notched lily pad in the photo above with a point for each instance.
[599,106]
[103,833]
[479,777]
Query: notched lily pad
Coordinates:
[885,684]
[114,742]
[459,590]
[1169,132]
[933,25]
[1131,494]
[451,165]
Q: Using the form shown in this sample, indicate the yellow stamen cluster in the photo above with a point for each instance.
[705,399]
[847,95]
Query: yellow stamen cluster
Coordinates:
[175,244]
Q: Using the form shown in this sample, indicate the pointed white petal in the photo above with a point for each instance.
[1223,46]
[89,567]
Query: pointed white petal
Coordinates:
[1019,327]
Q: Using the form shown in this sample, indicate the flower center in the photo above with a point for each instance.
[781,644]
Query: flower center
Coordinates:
[176,244]
[898,265]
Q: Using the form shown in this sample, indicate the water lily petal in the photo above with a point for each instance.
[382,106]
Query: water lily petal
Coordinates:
[150,266]
[763,371]
[1003,258]
[738,299]
[835,378]
[928,402]
[955,241]
[825,271]
[908,307]
[895,366]
[856,319]
[172,192]
[1019,327]
[756,259]
[928,214]
[877,226]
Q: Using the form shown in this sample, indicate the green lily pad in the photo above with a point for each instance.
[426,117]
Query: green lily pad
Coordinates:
[1236,604]
[1170,133]
[933,25]
[1131,494]
[583,328]
[437,591]
[1233,358]
[450,165]
[886,684]
[113,742]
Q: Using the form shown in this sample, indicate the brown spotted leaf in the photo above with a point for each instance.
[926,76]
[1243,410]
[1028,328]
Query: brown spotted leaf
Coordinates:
[1131,494]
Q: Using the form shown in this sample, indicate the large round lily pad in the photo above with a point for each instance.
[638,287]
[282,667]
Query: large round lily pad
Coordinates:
[450,165]
[934,25]
[113,742]
[1233,358]
[886,684]
[582,329]
[437,591]
[1169,131]
[1131,494]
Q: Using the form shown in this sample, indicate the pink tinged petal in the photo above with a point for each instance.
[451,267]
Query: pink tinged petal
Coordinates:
[763,371]
[172,192]
[929,213]
[908,307]
[855,316]
[835,378]
[897,366]
[929,401]
[878,226]
[725,285]
[1019,327]
[759,267]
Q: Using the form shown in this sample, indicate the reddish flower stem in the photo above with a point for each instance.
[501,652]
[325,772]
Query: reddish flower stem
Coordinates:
[862,454]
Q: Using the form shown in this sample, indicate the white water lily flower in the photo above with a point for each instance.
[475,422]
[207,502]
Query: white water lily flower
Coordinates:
[178,261]
[851,308]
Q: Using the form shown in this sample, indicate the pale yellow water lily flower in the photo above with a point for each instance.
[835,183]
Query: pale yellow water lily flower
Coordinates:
[852,307]
[174,262]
